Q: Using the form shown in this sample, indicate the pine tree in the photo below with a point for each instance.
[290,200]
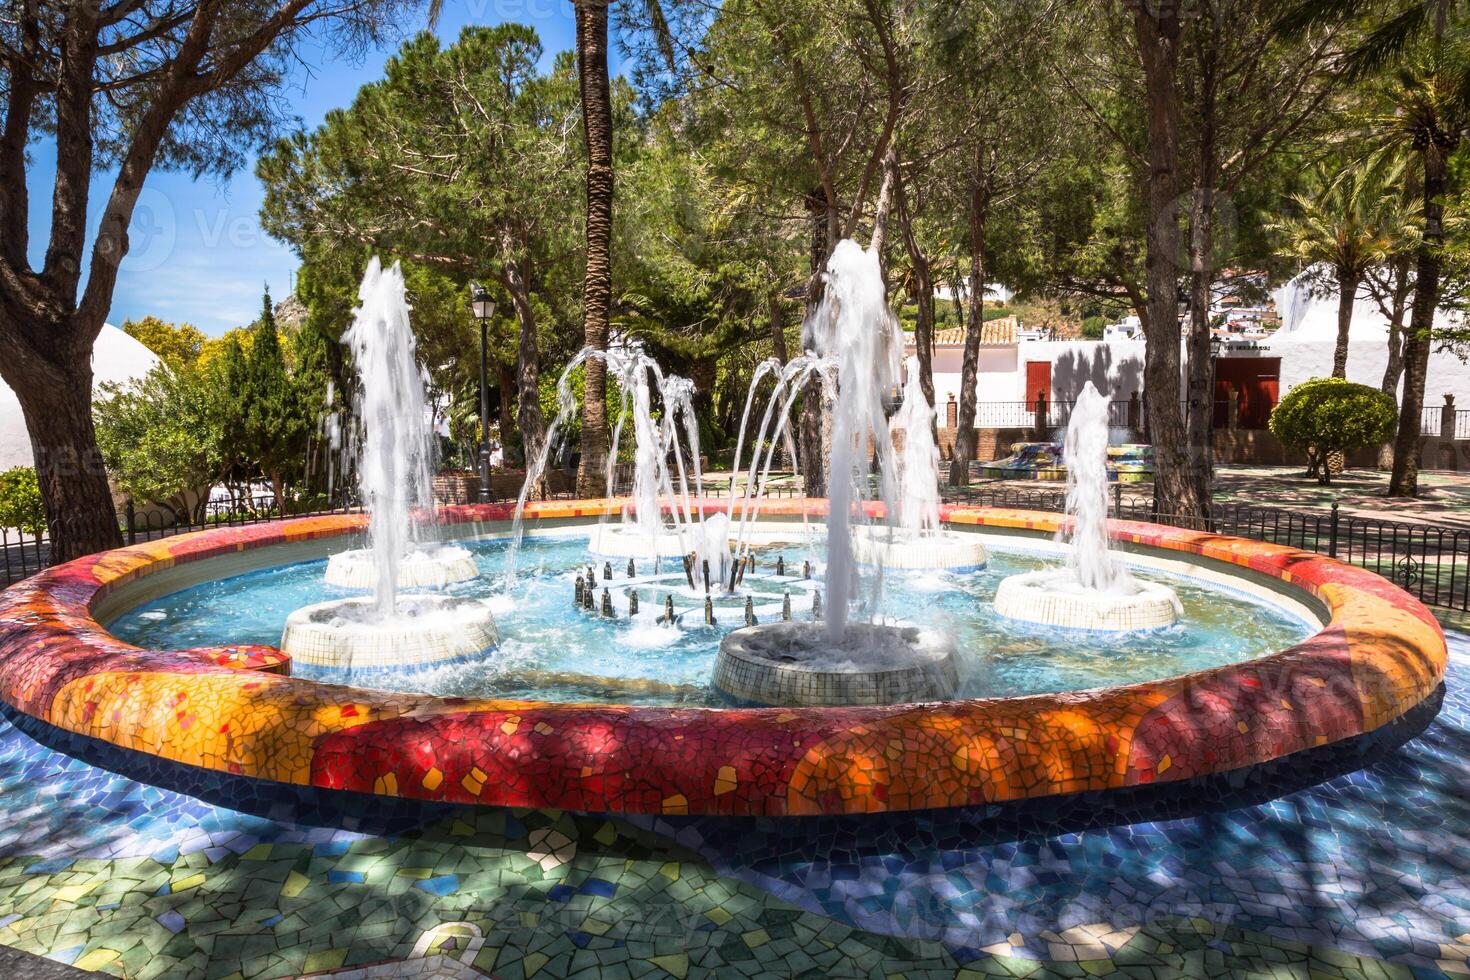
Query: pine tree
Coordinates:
[275,428]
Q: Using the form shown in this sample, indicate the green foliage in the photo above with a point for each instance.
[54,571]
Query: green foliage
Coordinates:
[1093,327]
[21,506]
[275,421]
[1324,415]
[463,163]
[177,345]
[160,435]
[233,415]
[1354,219]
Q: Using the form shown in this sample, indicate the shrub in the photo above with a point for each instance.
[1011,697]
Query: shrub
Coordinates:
[1327,415]
[1094,327]
[20,501]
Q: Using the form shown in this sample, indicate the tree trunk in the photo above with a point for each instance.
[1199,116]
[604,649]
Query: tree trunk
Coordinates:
[1402,285]
[1201,365]
[813,470]
[278,491]
[1394,369]
[592,77]
[1404,482]
[884,207]
[1347,291]
[964,443]
[1158,31]
[923,289]
[778,325]
[505,384]
[55,395]
[529,419]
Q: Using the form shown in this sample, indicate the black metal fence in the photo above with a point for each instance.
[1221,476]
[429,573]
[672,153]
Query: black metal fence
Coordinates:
[23,554]
[1430,561]
[1435,420]
[1026,415]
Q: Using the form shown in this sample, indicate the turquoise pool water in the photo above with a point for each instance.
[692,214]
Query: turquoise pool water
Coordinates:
[550,650]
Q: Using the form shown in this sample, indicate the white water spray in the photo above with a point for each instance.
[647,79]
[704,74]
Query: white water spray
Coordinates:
[1085,452]
[918,462]
[395,458]
[853,325]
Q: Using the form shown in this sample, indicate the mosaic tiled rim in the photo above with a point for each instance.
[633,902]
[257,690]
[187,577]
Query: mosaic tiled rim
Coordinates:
[231,710]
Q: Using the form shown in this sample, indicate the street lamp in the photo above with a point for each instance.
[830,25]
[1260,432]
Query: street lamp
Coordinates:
[1217,347]
[484,308]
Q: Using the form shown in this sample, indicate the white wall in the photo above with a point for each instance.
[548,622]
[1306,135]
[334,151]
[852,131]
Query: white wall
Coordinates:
[1115,368]
[1305,359]
[115,357]
[1119,366]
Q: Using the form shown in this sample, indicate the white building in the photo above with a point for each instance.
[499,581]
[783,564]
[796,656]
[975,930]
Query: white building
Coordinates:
[115,357]
[1259,368]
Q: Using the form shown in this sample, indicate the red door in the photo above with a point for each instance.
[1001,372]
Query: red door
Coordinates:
[1256,382]
[1038,381]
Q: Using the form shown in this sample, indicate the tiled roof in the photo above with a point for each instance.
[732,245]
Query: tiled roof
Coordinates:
[997,333]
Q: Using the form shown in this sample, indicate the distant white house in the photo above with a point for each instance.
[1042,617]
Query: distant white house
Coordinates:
[115,357]
[1016,367]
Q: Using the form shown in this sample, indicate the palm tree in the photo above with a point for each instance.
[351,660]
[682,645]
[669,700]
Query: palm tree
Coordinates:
[1349,226]
[597,128]
[1423,110]
[1426,112]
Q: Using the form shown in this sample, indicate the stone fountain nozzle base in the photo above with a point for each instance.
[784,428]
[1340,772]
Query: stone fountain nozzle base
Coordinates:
[632,541]
[891,547]
[425,631]
[793,664]
[1054,598]
[425,567]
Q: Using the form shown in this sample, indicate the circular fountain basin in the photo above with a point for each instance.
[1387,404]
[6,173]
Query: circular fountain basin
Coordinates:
[619,541]
[425,631]
[1053,598]
[875,544]
[794,664]
[425,567]
[1378,655]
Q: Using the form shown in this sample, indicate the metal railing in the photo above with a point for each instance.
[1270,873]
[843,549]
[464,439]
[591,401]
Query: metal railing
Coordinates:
[1430,561]
[1432,423]
[23,554]
[1024,415]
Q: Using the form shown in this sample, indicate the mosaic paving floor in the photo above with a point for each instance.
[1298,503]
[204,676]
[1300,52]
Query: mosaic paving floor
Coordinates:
[1367,874]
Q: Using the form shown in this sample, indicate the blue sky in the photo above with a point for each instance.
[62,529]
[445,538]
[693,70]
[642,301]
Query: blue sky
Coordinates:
[198,254]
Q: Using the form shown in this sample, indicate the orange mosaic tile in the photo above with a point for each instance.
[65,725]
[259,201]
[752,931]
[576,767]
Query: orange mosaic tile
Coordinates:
[229,709]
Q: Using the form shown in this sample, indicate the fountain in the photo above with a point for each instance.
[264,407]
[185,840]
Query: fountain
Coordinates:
[834,662]
[1092,591]
[394,468]
[915,539]
[642,532]
[394,454]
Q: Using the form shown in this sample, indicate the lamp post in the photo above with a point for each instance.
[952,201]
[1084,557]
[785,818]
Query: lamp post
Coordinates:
[484,308]
[1217,347]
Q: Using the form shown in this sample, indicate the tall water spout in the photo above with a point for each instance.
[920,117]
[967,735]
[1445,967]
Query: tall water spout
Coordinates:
[1085,452]
[396,452]
[853,325]
[918,463]
[656,441]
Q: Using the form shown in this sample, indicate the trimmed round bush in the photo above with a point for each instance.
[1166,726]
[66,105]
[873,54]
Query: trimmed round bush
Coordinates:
[1326,415]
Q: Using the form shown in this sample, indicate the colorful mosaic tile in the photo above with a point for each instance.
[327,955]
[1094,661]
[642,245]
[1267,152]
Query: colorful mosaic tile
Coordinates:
[231,711]
[1360,875]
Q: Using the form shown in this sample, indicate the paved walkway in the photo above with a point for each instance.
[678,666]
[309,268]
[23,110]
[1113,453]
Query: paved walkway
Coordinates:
[1444,498]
